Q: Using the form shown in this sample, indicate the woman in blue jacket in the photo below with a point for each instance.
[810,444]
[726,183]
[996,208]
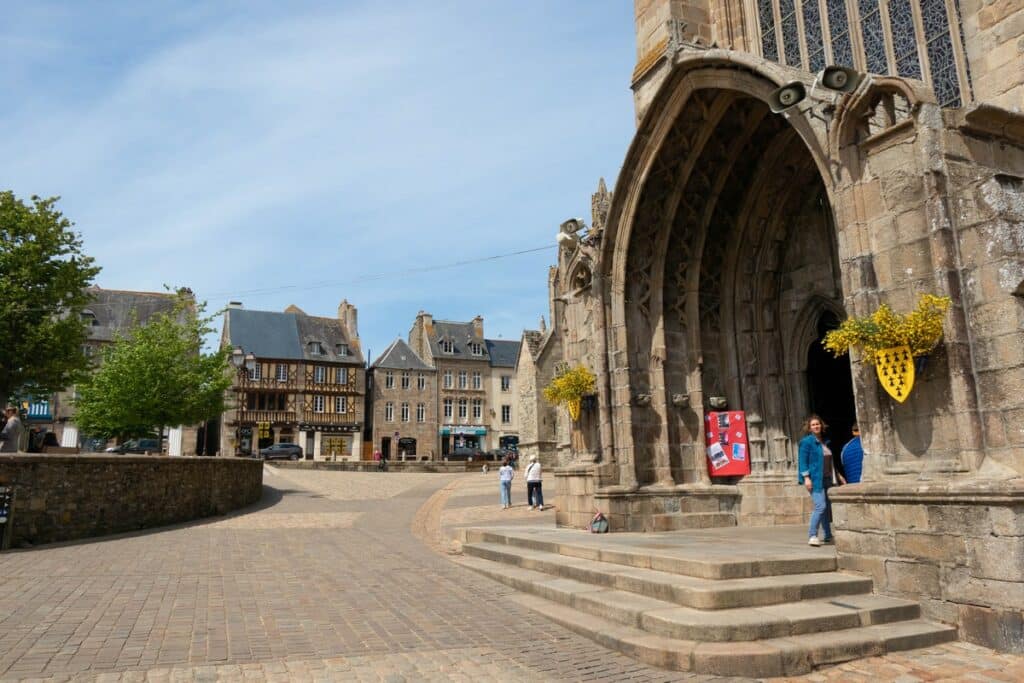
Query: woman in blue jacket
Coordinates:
[815,465]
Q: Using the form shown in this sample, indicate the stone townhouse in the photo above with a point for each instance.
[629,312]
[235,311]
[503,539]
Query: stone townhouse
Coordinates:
[403,400]
[503,393]
[765,198]
[306,384]
[112,312]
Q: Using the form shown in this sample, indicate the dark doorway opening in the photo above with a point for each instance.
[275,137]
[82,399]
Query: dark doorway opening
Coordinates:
[385,447]
[830,386]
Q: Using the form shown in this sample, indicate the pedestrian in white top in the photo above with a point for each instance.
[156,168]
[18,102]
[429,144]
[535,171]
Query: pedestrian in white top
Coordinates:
[505,476]
[534,494]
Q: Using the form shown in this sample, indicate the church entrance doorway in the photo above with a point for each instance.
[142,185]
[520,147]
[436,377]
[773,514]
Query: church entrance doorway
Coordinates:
[830,385]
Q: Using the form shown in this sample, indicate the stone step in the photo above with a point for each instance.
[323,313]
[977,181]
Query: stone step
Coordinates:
[795,655]
[703,562]
[674,521]
[683,623]
[688,591]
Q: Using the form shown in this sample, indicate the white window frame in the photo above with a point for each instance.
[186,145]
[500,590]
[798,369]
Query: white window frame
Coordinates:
[478,380]
[421,412]
[448,408]
[477,349]
[282,372]
[405,412]
[448,383]
[316,348]
[463,379]
[389,412]
[405,380]
[506,414]
[389,379]
[478,409]
[463,409]
[318,403]
[256,372]
[343,350]
[341,404]
[421,381]
[446,346]
[341,375]
[319,374]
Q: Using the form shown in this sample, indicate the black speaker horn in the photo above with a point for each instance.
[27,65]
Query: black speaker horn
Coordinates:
[787,96]
[841,78]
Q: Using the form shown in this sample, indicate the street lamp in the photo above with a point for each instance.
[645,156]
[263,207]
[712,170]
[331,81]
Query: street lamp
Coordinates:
[244,363]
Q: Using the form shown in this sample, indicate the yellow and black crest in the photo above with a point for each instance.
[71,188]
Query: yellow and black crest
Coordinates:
[895,369]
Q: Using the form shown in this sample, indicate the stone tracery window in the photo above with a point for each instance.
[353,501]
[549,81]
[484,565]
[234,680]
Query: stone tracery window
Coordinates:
[920,39]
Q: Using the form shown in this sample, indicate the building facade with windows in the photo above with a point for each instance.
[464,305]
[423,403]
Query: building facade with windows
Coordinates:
[403,398]
[504,412]
[307,385]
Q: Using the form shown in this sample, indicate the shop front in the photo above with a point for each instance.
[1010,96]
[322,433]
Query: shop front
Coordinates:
[461,436]
[330,442]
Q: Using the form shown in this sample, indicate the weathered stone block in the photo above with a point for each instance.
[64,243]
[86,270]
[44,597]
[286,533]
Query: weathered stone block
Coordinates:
[868,565]
[995,628]
[997,558]
[937,547]
[958,585]
[1007,521]
[866,543]
[913,578]
[968,520]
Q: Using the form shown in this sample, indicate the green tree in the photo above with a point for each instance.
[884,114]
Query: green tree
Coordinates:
[154,376]
[43,281]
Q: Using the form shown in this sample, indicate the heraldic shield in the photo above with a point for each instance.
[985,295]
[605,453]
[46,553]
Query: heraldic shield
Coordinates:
[895,368]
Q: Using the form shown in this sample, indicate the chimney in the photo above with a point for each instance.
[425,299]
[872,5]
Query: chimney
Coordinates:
[348,315]
[478,326]
[234,304]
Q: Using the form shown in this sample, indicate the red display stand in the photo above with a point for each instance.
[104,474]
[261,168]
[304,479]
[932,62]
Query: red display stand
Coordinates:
[725,434]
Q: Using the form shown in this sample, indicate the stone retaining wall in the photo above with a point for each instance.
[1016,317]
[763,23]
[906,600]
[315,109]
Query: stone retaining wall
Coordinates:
[956,547]
[393,466]
[66,497]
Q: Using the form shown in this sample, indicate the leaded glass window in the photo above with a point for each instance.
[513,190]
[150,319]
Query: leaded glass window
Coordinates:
[790,34]
[874,39]
[839,30]
[768,46]
[904,39]
[941,60]
[812,33]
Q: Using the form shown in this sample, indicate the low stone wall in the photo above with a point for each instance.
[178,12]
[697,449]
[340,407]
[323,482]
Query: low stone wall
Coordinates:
[574,495]
[393,466]
[772,500]
[66,497]
[956,547]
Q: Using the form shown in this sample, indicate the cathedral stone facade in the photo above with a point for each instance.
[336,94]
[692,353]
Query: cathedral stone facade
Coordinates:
[737,234]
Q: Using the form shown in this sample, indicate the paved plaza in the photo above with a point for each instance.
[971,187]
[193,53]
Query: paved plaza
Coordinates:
[332,576]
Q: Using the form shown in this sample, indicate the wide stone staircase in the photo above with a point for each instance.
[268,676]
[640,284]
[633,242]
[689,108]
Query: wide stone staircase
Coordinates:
[731,602]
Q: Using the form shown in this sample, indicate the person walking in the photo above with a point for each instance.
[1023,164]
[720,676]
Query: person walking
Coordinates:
[10,437]
[852,457]
[534,493]
[505,476]
[814,466]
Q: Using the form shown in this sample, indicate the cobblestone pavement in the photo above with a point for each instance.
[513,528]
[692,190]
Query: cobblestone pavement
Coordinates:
[326,579]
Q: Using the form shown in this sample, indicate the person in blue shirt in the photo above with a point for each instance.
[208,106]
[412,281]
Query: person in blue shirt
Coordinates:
[814,468]
[852,457]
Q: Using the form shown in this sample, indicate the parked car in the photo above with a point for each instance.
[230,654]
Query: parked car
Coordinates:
[466,453]
[281,451]
[501,453]
[136,446]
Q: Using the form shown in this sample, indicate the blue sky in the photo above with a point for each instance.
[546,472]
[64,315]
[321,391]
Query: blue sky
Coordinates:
[281,153]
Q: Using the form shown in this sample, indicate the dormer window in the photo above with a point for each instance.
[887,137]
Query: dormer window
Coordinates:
[342,349]
[447,346]
[316,348]
[89,318]
[476,349]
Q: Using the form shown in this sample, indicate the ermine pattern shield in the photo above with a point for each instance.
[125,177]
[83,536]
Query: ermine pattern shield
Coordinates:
[895,368]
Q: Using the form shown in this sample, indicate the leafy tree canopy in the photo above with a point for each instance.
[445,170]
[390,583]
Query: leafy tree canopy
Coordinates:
[43,281]
[155,375]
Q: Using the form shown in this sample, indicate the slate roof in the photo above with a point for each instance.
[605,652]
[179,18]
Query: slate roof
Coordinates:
[286,336]
[461,335]
[502,353]
[399,356]
[116,310]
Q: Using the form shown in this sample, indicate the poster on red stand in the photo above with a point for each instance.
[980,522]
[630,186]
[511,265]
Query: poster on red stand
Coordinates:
[725,433]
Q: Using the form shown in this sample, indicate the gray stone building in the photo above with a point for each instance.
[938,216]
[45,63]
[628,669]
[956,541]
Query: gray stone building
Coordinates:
[113,312]
[764,199]
[307,385]
[403,400]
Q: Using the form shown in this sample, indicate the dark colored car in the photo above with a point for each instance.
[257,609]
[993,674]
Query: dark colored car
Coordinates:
[137,446]
[281,451]
[501,453]
[466,453]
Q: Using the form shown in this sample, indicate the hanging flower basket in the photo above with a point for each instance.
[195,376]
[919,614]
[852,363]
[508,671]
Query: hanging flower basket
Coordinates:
[569,387]
[920,330]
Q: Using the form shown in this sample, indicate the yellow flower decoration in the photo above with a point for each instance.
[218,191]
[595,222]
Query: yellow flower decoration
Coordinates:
[920,329]
[569,387]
